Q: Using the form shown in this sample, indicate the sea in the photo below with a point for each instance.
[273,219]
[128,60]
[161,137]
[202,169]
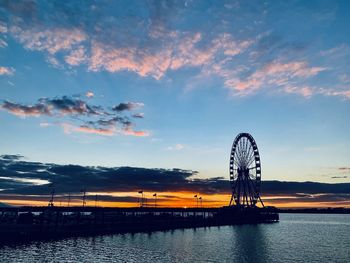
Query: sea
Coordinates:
[296,238]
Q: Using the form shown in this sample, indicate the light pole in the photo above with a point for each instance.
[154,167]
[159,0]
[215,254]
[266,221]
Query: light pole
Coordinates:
[141,201]
[200,198]
[155,200]
[52,195]
[68,199]
[196,196]
[84,195]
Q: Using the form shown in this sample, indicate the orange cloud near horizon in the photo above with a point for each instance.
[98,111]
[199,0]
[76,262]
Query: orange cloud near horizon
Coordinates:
[171,199]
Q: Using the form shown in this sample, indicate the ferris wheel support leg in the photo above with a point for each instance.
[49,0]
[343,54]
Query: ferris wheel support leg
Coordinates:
[261,201]
[231,201]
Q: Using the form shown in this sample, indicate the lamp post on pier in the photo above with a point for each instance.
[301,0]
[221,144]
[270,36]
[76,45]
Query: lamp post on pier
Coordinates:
[52,195]
[84,196]
[155,200]
[141,200]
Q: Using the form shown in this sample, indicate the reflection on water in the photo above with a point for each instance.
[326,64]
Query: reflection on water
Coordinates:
[297,238]
[250,243]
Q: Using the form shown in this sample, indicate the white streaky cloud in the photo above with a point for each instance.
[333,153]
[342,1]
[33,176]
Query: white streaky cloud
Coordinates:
[273,74]
[334,52]
[45,124]
[3,28]
[344,78]
[176,147]
[304,91]
[332,92]
[308,91]
[3,43]
[7,71]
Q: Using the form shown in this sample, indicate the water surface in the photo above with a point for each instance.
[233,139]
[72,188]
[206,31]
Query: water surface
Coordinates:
[296,238]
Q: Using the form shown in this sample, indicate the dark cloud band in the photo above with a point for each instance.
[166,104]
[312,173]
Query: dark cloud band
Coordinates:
[71,179]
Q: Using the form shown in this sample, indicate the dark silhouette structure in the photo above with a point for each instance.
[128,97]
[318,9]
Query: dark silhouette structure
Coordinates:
[245,171]
[25,223]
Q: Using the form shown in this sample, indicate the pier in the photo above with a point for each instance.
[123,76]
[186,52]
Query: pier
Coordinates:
[28,223]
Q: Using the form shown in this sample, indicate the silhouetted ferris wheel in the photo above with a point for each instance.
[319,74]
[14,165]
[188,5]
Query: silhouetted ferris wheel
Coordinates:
[245,171]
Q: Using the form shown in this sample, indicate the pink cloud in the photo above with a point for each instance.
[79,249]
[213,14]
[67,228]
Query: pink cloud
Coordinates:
[7,71]
[99,131]
[50,40]
[107,131]
[76,57]
[179,52]
[89,94]
[69,128]
[136,133]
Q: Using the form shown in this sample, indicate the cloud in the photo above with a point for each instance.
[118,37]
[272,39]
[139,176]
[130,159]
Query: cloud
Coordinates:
[69,128]
[84,117]
[177,147]
[3,43]
[25,110]
[3,28]
[76,57]
[52,40]
[131,132]
[140,115]
[7,71]
[336,52]
[344,168]
[157,38]
[128,106]
[11,157]
[103,129]
[180,50]
[70,178]
[345,93]
[304,91]
[276,74]
[89,94]
[49,107]
[147,51]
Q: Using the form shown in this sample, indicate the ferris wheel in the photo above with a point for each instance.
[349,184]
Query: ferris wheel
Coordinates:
[245,171]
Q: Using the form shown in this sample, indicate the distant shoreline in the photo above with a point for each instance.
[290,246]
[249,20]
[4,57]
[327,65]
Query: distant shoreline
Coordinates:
[329,210]
[315,210]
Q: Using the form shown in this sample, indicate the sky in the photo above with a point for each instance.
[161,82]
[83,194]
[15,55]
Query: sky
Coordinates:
[166,86]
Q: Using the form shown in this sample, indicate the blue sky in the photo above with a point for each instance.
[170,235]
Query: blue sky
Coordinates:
[190,75]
